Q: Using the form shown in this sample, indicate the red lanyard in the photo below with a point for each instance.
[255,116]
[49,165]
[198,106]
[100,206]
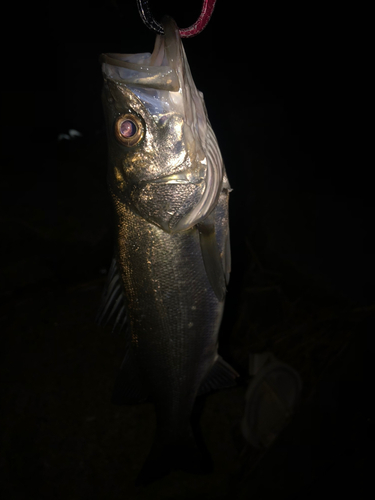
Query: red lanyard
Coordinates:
[194,29]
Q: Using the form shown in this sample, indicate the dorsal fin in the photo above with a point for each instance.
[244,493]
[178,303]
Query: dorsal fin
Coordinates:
[112,304]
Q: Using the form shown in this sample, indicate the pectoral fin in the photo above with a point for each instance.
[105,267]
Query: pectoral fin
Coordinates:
[211,257]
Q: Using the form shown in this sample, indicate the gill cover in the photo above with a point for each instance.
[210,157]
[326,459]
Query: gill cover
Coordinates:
[160,86]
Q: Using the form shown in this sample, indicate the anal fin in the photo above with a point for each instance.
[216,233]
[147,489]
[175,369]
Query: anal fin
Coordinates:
[220,376]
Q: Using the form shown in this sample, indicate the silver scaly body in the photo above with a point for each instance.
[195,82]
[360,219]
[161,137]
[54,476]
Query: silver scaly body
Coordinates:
[172,260]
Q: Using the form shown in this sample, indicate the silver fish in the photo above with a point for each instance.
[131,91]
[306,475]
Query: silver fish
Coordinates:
[172,258]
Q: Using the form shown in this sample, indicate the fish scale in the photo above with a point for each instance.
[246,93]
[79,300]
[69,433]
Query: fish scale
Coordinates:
[176,330]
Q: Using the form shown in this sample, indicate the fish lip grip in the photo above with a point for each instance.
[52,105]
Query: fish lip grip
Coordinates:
[193,30]
[272,395]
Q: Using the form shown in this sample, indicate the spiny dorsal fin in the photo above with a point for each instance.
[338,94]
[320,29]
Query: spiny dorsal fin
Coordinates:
[112,303]
[220,376]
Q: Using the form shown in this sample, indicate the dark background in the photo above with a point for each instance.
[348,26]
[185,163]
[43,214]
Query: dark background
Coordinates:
[280,87]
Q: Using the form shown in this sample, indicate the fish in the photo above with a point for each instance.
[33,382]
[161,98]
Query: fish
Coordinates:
[167,283]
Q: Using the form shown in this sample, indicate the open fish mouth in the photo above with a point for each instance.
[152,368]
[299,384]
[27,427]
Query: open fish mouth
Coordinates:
[163,84]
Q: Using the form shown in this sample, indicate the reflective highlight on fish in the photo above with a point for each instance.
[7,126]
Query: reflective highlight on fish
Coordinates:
[171,266]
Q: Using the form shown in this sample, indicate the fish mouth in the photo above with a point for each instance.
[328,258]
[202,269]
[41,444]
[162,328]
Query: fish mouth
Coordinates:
[163,83]
[158,70]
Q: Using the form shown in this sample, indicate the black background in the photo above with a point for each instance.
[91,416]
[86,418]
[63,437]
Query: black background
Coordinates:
[279,85]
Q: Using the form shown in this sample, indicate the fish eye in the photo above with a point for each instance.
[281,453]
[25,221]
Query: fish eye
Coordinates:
[129,129]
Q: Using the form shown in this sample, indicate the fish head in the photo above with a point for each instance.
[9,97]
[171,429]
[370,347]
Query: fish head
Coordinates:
[159,136]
